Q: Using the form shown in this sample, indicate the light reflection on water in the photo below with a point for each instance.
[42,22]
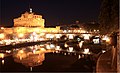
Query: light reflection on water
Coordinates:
[31,56]
[3,55]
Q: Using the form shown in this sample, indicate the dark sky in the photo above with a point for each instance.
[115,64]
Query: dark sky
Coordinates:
[53,11]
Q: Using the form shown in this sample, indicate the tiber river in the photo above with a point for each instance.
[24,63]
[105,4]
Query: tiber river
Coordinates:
[50,58]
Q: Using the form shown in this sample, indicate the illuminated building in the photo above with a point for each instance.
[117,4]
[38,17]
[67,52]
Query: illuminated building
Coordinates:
[30,26]
[28,23]
[29,20]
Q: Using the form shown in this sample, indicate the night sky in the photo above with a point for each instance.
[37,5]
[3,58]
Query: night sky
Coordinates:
[53,11]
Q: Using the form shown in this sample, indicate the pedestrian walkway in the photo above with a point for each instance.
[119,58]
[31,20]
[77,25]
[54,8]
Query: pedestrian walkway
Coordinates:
[106,63]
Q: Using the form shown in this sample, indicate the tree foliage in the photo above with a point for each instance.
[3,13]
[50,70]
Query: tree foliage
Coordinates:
[108,17]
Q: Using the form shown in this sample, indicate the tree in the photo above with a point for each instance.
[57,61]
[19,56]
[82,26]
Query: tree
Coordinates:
[108,17]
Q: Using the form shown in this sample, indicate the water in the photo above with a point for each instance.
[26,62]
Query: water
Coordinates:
[54,59]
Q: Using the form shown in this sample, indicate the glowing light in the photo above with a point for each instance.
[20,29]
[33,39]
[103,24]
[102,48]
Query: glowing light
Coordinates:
[34,37]
[80,44]
[21,51]
[70,49]
[106,38]
[34,33]
[38,19]
[2,27]
[8,51]
[78,30]
[42,49]
[48,35]
[51,36]
[68,53]
[34,51]
[78,39]
[86,51]
[2,55]
[103,51]
[64,53]
[30,68]
[94,30]
[52,46]
[20,35]
[86,36]
[69,30]
[7,42]
[58,35]
[21,54]
[57,47]
[42,34]
[48,46]
[64,31]
[36,47]
[96,41]
[97,30]
[57,51]
[3,62]
[65,45]
[82,56]
[70,36]
[2,36]
[79,56]
[83,31]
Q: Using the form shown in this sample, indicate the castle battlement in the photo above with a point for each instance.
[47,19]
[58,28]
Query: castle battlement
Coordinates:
[29,20]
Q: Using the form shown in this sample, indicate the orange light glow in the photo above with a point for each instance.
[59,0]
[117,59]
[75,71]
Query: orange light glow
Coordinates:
[2,55]
[2,36]
[20,35]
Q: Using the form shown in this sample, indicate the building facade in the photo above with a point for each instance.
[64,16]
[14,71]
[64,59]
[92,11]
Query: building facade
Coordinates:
[30,22]
[27,24]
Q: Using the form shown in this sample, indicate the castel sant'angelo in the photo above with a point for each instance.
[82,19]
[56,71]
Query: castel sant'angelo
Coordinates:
[28,23]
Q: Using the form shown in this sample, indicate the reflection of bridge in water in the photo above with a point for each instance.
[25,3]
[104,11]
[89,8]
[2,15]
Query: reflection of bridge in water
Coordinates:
[31,56]
[33,37]
[34,55]
[52,41]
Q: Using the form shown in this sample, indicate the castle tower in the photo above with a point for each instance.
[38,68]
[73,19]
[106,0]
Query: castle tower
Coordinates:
[29,19]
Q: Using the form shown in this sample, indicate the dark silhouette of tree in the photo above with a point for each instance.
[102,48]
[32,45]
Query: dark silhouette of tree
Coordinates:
[91,26]
[108,17]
